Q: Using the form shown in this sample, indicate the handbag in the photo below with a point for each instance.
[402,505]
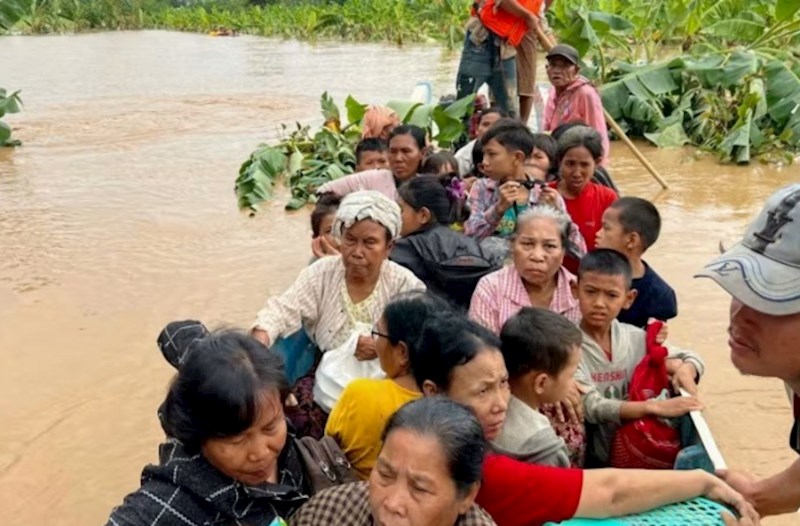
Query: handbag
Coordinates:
[325,463]
[649,442]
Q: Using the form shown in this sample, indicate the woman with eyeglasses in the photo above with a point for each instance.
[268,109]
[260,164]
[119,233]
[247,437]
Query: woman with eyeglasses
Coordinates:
[360,415]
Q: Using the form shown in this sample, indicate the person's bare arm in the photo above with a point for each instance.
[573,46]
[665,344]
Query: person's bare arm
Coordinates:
[671,408]
[772,496]
[617,492]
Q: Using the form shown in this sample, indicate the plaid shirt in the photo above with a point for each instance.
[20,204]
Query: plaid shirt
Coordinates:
[501,294]
[348,505]
[185,490]
[484,217]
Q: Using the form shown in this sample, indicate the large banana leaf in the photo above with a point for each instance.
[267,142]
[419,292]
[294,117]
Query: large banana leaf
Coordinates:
[11,11]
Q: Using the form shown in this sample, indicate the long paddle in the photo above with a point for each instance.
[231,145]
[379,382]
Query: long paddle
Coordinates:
[548,45]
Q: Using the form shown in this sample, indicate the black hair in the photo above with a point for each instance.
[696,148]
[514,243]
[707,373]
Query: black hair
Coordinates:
[433,163]
[449,340]
[499,110]
[370,144]
[327,203]
[409,129]
[217,390]
[434,193]
[457,430]
[477,159]
[640,216]
[608,263]
[545,143]
[406,313]
[512,135]
[561,128]
[579,136]
[538,339]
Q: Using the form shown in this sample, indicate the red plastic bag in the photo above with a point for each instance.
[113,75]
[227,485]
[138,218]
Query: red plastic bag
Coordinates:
[647,443]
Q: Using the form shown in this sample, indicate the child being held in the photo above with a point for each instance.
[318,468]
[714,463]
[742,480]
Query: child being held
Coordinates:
[630,226]
[323,243]
[372,154]
[507,191]
[542,351]
[611,351]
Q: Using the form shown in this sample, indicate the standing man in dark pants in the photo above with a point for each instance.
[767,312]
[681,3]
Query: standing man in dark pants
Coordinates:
[486,58]
[762,274]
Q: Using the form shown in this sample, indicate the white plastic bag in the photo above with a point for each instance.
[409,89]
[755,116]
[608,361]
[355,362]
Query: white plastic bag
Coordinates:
[340,366]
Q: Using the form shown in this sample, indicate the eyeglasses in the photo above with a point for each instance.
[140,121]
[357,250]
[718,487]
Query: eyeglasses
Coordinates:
[376,335]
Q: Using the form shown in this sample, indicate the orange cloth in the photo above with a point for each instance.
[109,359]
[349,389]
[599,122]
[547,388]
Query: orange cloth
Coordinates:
[378,122]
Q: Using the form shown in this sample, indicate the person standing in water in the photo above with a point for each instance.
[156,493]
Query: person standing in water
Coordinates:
[762,275]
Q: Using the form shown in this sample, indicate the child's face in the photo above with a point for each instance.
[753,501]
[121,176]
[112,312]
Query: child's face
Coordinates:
[325,229]
[372,161]
[539,159]
[612,235]
[601,298]
[555,388]
[500,163]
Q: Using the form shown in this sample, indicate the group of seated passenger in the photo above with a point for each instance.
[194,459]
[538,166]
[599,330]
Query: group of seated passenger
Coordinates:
[471,377]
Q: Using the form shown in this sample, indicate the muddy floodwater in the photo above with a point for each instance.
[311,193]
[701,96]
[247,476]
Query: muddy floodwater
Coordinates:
[118,215]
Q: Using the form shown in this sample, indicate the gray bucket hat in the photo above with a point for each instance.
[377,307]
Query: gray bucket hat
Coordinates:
[763,270]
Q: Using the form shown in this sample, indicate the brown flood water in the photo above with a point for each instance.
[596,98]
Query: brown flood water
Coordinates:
[118,215]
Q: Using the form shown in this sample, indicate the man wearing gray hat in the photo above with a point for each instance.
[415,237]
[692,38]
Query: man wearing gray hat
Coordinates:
[762,274]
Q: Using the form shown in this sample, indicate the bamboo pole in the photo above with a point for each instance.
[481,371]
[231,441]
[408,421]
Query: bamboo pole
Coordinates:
[548,45]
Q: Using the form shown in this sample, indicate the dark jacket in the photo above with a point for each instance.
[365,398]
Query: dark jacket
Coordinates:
[185,490]
[448,262]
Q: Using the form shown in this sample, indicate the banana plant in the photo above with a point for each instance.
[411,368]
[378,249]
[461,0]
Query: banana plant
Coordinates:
[305,160]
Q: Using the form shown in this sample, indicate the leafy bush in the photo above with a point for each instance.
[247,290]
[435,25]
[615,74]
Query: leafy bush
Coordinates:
[307,161]
[8,104]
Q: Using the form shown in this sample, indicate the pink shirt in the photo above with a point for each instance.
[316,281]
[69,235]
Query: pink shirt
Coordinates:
[579,102]
[380,180]
[501,294]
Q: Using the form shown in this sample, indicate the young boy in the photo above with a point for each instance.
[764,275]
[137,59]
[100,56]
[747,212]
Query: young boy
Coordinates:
[496,201]
[542,350]
[611,351]
[372,154]
[630,226]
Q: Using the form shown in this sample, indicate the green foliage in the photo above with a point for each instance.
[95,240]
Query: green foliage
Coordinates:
[306,161]
[397,21]
[732,90]
[8,104]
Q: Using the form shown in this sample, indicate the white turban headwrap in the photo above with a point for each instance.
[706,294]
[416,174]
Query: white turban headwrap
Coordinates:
[367,204]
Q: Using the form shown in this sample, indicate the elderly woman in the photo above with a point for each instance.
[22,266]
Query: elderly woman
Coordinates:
[537,279]
[427,474]
[229,457]
[407,149]
[573,97]
[465,364]
[337,294]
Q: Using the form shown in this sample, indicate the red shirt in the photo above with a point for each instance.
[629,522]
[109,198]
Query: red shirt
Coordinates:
[519,494]
[586,212]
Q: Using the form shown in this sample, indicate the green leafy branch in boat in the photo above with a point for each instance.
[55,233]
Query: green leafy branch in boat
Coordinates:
[305,161]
